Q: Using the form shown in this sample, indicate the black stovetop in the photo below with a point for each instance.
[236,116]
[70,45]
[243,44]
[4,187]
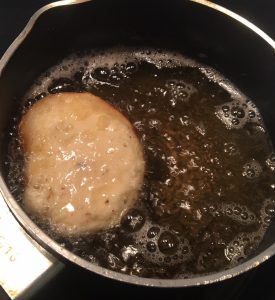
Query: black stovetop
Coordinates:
[75,283]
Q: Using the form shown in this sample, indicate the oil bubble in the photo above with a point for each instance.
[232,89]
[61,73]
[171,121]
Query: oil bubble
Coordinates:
[271,161]
[230,149]
[168,243]
[238,112]
[101,74]
[151,246]
[270,209]
[133,220]
[251,114]
[225,108]
[153,232]
[252,169]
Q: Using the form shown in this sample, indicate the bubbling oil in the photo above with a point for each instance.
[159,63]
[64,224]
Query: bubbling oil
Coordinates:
[208,193]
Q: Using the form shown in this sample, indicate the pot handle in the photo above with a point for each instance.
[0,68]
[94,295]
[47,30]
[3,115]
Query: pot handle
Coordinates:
[24,265]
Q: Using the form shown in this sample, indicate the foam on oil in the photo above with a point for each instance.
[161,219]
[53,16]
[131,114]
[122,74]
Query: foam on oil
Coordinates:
[208,194]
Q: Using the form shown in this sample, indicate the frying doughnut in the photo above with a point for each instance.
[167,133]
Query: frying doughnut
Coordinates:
[84,164]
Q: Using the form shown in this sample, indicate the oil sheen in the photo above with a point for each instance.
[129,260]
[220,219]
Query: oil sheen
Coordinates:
[208,193]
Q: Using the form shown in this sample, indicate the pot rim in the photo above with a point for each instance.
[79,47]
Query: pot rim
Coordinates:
[37,234]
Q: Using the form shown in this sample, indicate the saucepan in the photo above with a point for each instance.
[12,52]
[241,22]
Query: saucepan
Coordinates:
[200,29]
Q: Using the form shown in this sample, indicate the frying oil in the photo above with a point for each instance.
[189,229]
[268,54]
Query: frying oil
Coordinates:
[208,192]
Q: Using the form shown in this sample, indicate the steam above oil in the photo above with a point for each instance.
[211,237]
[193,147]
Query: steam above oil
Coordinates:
[208,195]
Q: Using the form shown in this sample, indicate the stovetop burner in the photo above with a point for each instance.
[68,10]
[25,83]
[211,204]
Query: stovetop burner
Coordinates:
[75,283]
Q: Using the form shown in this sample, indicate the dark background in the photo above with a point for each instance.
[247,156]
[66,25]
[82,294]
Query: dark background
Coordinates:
[74,283]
